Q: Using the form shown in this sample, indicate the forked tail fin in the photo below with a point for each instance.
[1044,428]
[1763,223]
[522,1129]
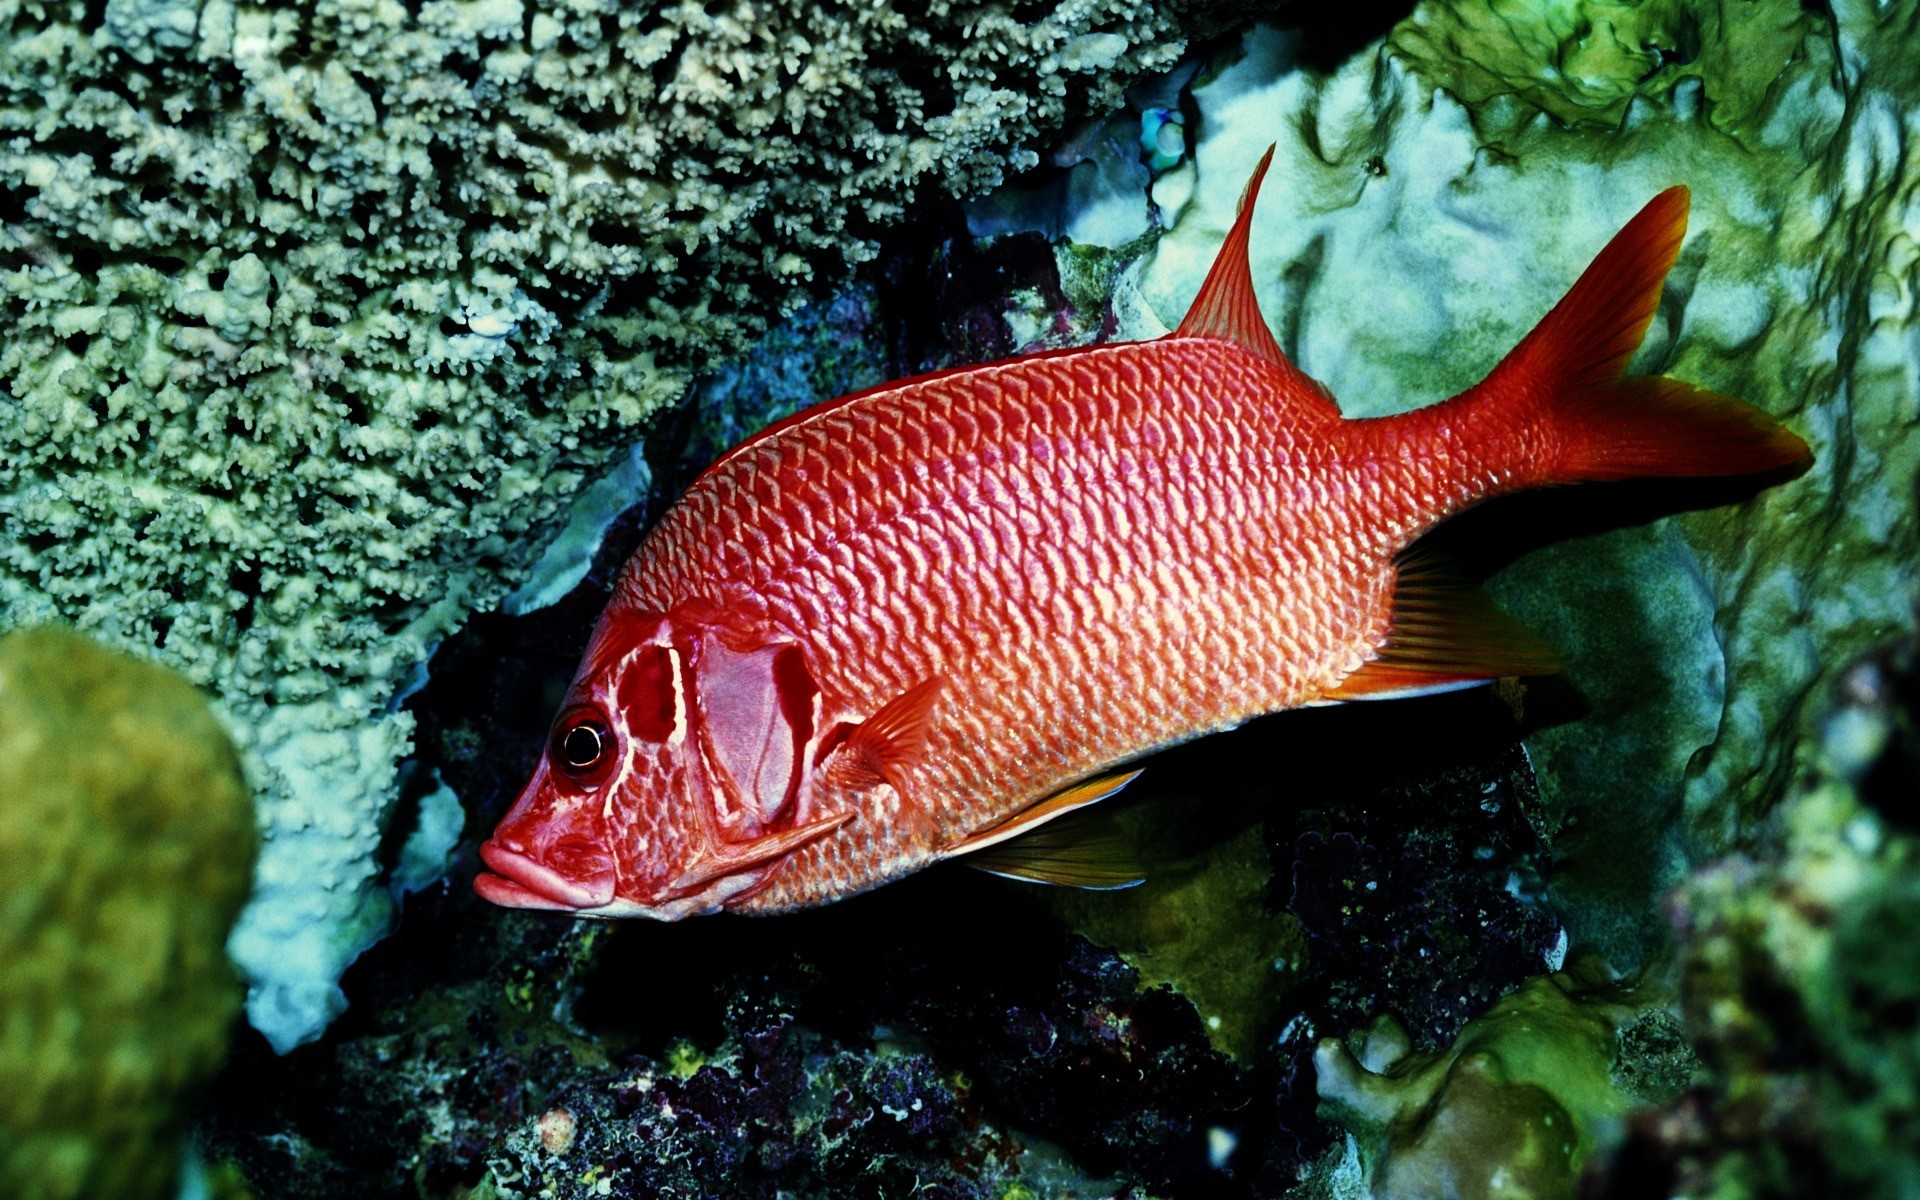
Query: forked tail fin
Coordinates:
[1559,409]
[1591,421]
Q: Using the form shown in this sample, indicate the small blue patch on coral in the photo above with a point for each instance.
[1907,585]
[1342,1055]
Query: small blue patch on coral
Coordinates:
[1163,138]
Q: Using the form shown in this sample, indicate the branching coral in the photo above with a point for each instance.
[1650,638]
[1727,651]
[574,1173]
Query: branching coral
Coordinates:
[318,314]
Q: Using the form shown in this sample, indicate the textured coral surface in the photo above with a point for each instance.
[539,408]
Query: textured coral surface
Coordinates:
[127,838]
[1431,198]
[1802,969]
[317,314]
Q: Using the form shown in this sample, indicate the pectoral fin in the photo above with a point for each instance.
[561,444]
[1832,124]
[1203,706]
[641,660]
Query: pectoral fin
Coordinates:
[884,746]
[1090,791]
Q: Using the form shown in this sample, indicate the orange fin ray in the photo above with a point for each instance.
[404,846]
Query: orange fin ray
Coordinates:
[884,746]
[1078,796]
[1445,633]
[1087,851]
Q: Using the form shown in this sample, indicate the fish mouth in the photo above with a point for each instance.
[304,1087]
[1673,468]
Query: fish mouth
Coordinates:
[516,880]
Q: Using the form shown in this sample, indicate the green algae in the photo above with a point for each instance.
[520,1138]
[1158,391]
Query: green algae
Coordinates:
[127,833]
[1200,925]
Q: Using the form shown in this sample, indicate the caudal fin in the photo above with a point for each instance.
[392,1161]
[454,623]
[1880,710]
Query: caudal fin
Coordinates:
[1567,378]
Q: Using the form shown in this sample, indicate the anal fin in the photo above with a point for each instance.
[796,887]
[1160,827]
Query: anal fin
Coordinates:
[1445,633]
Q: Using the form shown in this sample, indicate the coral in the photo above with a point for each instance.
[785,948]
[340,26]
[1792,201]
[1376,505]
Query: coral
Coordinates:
[127,834]
[1444,188]
[318,315]
[1201,926]
[1801,962]
[1513,1109]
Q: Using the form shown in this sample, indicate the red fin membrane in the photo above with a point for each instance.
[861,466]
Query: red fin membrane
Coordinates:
[1651,425]
[1226,307]
[882,747]
[1602,426]
[1588,337]
[1445,634]
[1084,851]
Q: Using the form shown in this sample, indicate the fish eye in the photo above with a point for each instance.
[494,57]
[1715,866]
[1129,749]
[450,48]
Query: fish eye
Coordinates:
[580,745]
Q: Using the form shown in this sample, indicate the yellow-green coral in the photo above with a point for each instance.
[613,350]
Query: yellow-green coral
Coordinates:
[1510,1111]
[1584,62]
[128,839]
[318,315]
[1200,925]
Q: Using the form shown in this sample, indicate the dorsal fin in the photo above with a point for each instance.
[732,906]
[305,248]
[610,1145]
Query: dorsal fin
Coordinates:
[1090,791]
[1445,634]
[1226,307]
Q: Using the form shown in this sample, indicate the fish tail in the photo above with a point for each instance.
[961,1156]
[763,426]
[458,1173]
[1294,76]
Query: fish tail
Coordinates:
[1586,419]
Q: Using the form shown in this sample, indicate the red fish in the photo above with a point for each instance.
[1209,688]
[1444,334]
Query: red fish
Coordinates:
[916,622]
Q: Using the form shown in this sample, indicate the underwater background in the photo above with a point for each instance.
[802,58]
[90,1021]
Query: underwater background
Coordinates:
[352,345]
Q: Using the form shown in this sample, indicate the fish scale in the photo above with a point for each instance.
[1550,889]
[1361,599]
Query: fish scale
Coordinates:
[923,621]
[1207,571]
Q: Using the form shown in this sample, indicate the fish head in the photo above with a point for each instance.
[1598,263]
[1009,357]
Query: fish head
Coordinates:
[671,780]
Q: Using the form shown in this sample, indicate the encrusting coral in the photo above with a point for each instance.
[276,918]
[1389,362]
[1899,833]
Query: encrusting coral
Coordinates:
[127,834]
[318,316]
[1511,1111]
[1429,201]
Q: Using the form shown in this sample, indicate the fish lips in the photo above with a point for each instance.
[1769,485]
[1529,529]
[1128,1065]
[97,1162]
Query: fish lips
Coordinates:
[516,880]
